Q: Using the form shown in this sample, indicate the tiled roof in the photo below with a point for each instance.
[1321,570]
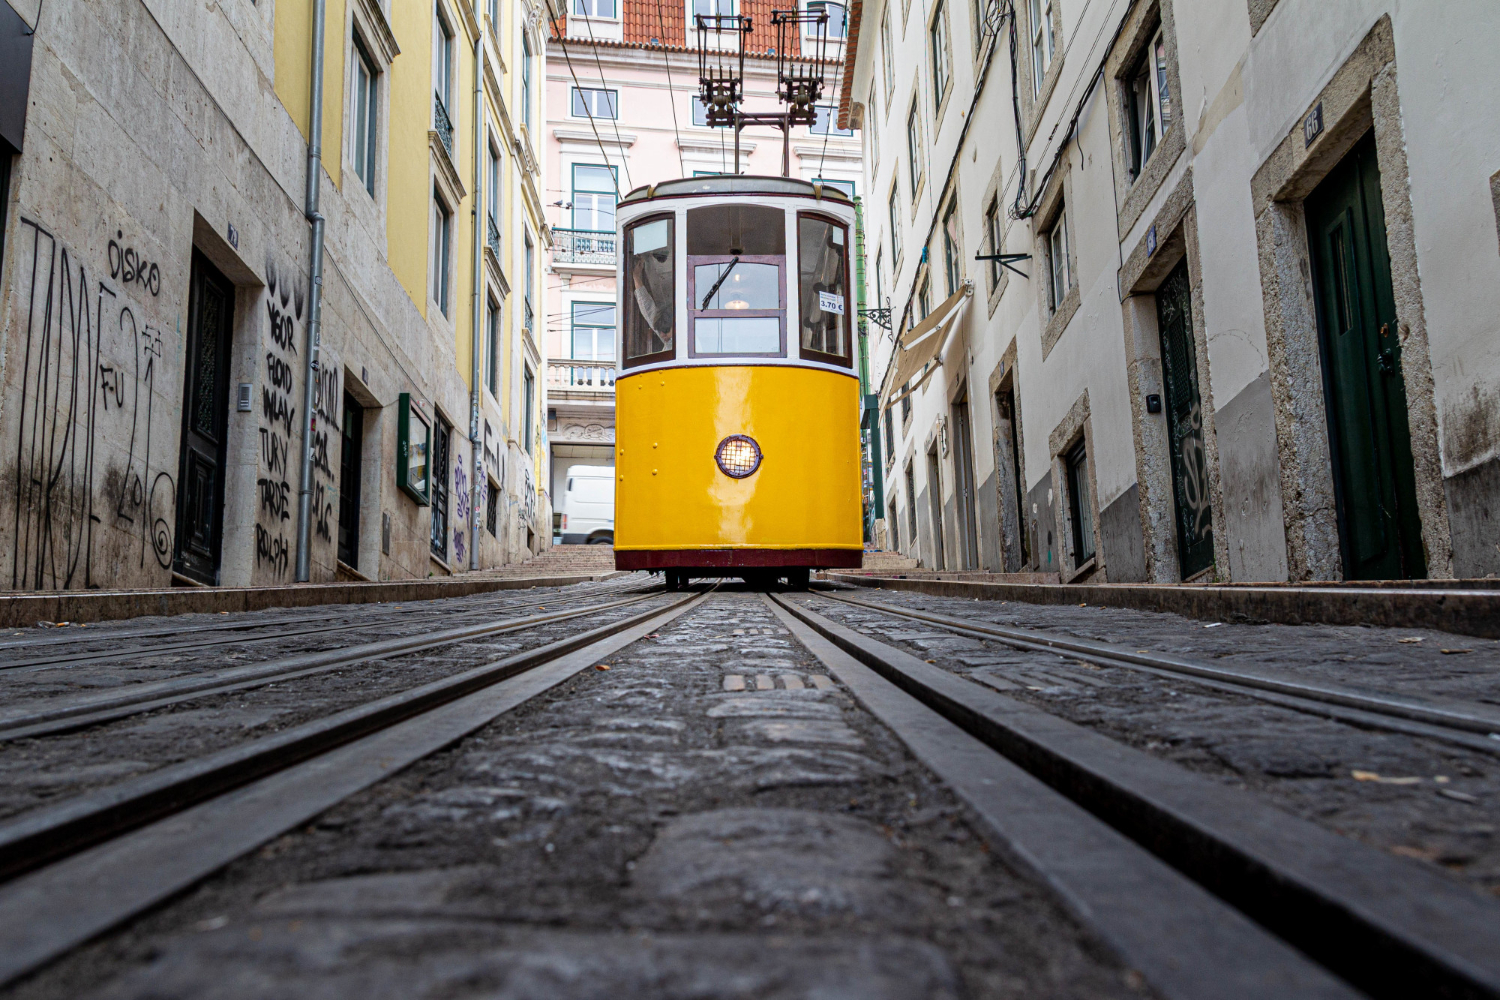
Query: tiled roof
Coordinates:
[653,23]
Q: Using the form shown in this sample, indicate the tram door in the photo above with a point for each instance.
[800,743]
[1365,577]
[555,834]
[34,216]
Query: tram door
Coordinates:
[963,484]
[1179,368]
[205,415]
[1365,394]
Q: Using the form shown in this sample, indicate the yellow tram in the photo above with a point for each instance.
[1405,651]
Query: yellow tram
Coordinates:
[736,398]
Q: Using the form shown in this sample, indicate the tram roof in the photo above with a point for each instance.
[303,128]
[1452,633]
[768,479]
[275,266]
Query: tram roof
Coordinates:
[720,184]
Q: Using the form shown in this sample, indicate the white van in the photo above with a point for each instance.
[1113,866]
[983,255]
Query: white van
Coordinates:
[588,505]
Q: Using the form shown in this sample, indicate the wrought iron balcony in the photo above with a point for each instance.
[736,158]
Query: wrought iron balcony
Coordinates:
[583,246]
[442,124]
[492,239]
[528,317]
[587,375]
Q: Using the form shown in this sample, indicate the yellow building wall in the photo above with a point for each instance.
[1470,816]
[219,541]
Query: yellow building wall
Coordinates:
[408,197]
[669,492]
[293,45]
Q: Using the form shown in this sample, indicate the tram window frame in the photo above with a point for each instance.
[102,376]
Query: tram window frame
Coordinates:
[758,227]
[845,360]
[632,315]
[695,313]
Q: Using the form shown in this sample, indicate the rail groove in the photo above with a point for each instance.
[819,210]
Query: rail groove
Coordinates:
[47,912]
[59,715]
[35,838]
[413,616]
[1386,924]
[1461,716]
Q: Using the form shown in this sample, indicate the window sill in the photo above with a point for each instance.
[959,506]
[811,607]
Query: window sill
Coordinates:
[441,564]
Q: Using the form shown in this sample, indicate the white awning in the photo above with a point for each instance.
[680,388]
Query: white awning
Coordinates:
[923,343]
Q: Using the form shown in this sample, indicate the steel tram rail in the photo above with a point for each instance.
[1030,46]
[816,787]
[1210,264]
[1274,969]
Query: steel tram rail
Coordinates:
[1465,723]
[1388,925]
[407,615]
[52,716]
[75,869]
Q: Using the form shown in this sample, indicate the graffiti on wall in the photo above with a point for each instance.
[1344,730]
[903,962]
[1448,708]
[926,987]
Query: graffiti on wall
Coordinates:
[460,508]
[90,357]
[285,300]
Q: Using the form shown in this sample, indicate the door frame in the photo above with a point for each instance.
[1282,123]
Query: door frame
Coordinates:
[965,493]
[1362,94]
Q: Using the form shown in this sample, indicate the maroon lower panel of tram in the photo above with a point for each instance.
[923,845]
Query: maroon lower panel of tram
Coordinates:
[738,558]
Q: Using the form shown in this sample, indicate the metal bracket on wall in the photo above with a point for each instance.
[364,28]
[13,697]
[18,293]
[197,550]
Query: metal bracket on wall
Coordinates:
[1008,260]
[880,317]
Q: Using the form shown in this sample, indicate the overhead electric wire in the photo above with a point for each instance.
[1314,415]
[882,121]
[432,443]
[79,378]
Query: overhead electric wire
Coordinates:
[666,58]
[838,76]
[574,74]
[615,121]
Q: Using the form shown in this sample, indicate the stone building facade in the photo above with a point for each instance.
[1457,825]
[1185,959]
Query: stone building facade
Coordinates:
[1244,327]
[156,296]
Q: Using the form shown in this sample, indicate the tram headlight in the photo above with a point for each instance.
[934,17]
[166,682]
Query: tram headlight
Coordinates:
[738,456]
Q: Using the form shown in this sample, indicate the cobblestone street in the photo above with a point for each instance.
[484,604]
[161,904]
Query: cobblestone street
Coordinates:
[716,803]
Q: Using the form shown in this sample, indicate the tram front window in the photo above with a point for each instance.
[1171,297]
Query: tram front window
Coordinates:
[823,268]
[736,280]
[650,298]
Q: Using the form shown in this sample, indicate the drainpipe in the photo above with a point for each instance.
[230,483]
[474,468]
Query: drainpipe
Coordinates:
[872,408]
[476,390]
[315,291]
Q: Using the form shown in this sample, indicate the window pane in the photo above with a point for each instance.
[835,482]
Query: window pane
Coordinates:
[748,286]
[821,255]
[700,112]
[825,123]
[594,313]
[587,178]
[736,230]
[580,103]
[650,281]
[737,335]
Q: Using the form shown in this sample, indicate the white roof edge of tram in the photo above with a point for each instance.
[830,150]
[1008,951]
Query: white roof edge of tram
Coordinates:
[735,184]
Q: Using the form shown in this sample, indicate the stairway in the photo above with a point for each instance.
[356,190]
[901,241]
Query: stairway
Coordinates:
[886,562]
[569,560]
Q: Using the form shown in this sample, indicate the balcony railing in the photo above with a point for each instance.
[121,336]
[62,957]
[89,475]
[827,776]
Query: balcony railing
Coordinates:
[583,246]
[566,374]
[492,239]
[442,124]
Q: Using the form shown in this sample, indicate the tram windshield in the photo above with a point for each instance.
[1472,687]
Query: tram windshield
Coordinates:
[650,282]
[736,280]
[823,263]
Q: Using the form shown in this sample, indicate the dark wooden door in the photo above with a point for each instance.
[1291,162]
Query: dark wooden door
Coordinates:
[349,474]
[441,432]
[205,414]
[1184,406]
[963,486]
[1374,484]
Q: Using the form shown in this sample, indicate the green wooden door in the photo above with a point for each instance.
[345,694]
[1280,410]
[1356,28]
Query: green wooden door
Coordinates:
[1179,367]
[1375,488]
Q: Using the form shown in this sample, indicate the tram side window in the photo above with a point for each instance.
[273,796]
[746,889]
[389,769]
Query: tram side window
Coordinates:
[823,270]
[650,283]
[736,264]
